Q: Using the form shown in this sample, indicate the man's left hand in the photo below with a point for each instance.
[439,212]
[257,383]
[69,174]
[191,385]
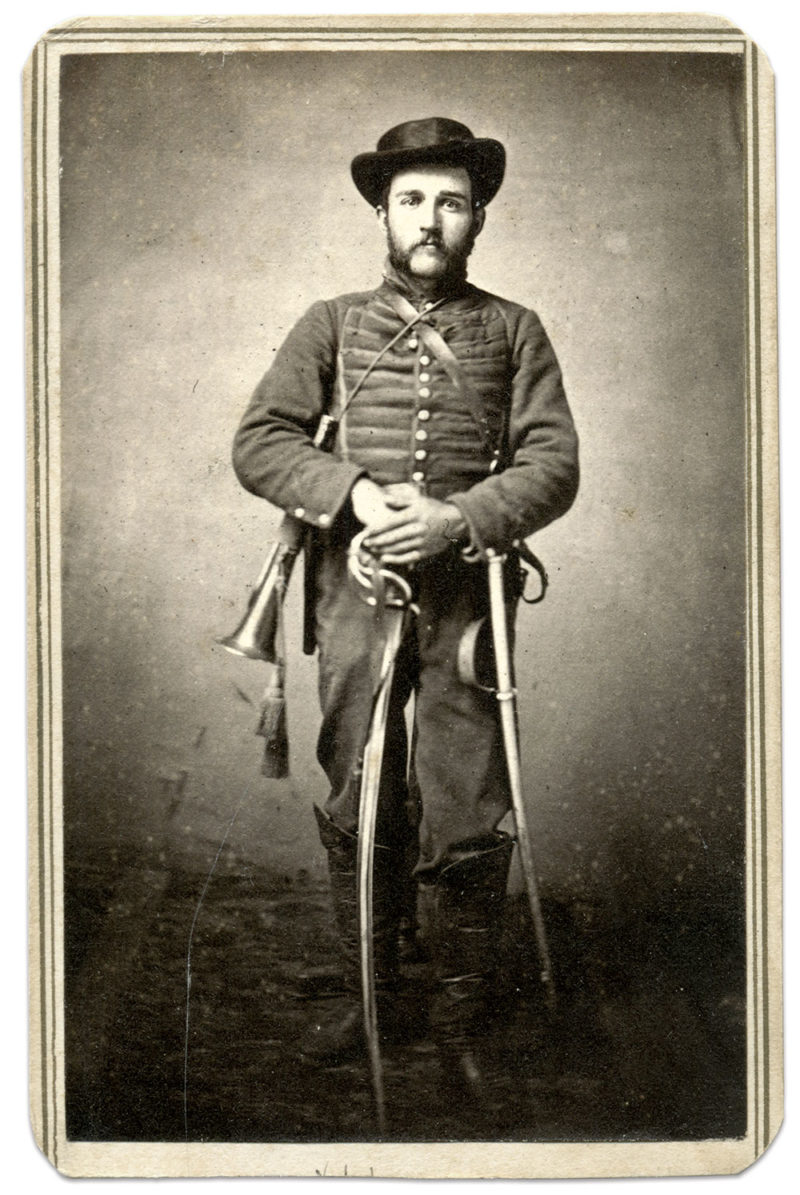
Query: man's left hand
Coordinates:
[423,527]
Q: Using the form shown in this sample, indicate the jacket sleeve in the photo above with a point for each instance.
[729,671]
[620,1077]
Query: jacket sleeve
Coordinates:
[273,451]
[540,480]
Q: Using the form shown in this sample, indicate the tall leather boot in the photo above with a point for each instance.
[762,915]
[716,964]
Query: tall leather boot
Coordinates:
[411,948]
[468,901]
[339,1033]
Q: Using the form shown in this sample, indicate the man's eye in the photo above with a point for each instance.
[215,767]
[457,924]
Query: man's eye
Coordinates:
[410,200]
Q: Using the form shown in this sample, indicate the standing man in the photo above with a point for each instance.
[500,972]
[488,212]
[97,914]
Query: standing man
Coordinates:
[454,437]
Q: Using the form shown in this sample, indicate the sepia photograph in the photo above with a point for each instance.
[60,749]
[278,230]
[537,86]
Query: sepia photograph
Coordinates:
[403,559]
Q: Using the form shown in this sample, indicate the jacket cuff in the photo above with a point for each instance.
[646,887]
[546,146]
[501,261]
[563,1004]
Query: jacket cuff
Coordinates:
[487,529]
[326,498]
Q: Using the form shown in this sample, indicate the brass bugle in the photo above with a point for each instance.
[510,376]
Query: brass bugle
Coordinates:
[254,637]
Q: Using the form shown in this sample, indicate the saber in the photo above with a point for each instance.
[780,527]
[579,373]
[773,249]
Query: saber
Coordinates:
[507,697]
[396,603]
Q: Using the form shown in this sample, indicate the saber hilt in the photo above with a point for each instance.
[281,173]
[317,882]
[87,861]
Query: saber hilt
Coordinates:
[369,574]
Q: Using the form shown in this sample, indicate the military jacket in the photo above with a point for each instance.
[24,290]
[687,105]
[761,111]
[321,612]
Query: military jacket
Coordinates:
[411,419]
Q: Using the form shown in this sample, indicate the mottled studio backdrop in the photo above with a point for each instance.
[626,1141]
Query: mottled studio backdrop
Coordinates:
[206,203]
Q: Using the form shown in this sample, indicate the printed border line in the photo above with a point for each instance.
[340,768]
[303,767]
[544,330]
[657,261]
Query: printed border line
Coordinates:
[760,613]
[49,961]
[470,36]
[750,796]
[376,44]
[760,795]
[758,1020]
[49,1091]
[757,613]
[585,32]
[38,350]
[44,580]
[56,960]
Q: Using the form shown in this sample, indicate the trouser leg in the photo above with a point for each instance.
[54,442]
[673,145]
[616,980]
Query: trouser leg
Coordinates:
[459,764]
[350,643]
[459,760]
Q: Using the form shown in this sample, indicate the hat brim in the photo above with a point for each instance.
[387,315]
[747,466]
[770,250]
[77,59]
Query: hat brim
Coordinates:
[483,158]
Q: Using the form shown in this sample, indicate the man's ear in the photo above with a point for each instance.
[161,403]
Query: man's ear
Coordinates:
[381,214]
[478,220]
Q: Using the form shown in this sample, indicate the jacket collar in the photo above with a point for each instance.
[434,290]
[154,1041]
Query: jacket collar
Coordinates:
[452,288]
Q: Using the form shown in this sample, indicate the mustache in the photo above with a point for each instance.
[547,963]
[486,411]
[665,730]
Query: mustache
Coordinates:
[431,238]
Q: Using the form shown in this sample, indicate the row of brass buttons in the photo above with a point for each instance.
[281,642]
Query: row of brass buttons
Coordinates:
[420,454]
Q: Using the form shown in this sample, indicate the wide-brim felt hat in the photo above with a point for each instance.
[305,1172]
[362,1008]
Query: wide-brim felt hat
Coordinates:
[435,140]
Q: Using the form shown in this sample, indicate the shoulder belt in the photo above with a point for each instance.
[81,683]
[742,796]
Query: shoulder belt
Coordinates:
[411,318]
[436,344]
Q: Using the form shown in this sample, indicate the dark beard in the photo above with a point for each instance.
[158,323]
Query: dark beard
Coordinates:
[455,262]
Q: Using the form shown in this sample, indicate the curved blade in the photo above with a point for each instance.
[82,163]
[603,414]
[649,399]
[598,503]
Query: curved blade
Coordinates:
[367,817]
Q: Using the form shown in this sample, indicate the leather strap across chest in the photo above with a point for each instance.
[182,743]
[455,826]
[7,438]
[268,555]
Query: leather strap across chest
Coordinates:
[411,319]
[435,343]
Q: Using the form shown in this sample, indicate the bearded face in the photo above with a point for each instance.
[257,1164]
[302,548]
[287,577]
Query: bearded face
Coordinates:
[430,223]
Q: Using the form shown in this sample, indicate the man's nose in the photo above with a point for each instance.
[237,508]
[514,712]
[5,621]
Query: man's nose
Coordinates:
[429,216]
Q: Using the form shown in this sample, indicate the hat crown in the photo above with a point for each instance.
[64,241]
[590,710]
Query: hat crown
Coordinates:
[434,141]
[424,134]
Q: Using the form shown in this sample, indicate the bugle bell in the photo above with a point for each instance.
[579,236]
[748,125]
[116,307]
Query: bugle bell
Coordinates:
[255,635]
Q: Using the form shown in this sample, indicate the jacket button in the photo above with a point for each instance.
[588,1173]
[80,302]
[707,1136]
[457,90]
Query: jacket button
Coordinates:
[423,414]
[299,512]
[420,454]
[413,342]
[417,476]
[424,360]
[420,434]
[324,520]
[424,392]
[424,377]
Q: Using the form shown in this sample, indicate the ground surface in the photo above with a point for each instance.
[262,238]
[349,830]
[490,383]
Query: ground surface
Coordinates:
[647,1041]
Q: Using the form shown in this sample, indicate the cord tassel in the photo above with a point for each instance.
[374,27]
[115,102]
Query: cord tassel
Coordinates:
[272,723]
[273,728]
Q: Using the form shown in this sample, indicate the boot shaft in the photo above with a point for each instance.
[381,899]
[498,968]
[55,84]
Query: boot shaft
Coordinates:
[468,902]
[469,898]
[342,851]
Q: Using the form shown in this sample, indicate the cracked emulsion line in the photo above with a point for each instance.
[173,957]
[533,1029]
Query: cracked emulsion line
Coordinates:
[209,877]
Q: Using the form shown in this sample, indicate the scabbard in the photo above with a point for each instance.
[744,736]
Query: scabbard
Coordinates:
[507,701]
[311,552]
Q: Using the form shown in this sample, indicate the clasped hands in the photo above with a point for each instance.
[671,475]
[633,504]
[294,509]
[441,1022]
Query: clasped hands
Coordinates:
[403,526]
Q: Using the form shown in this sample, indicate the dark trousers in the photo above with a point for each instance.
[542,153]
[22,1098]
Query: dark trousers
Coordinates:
[454,787]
